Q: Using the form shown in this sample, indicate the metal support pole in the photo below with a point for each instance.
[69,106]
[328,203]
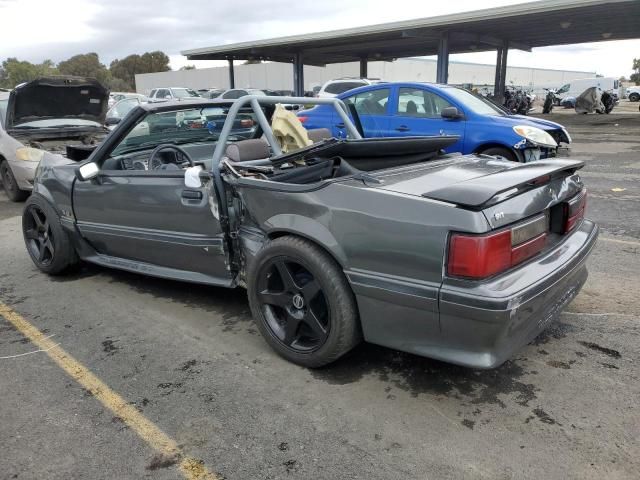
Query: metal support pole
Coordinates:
[503,67]
[232,76]
[442,71]
[363,67]
[298,75]
[501,72]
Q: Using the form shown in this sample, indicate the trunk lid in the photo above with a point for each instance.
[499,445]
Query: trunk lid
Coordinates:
[504,191]
[63,97]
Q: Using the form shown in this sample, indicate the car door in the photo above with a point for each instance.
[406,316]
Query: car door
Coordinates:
[372,106]
[417,112]
[149,221]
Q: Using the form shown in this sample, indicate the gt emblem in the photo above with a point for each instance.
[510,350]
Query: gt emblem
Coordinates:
[498,215]
[298,301]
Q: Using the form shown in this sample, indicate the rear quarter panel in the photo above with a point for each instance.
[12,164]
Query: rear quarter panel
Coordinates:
[390,246]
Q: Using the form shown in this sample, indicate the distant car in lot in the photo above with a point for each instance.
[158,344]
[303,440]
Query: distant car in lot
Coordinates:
[115,97]
[234,93]
[633,93]
[211,92]
[118,111]
[576,87]
[460,258]
[411,109]
[50,116]
[172,93]
[333,88]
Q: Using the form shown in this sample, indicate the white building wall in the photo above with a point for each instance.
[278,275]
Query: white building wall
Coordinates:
[279,76]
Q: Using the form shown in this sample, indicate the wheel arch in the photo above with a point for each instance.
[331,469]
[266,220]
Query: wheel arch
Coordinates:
[488,145]
[309,229]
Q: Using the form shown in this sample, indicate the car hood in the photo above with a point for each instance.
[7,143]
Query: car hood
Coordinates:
[513,120]
[57,97]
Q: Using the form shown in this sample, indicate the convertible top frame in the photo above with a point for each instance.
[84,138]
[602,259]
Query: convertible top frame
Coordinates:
[255,102]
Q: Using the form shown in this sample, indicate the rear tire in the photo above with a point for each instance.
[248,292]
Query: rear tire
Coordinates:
[634,97]
[302,303]
[10,185]
[47,242]
[500,152]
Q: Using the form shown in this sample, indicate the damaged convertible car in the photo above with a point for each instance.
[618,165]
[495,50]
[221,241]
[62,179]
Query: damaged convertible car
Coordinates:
[388,240]
[60,115]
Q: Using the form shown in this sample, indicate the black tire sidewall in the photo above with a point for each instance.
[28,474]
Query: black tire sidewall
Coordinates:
[344,331]
[634,97]
[64,255]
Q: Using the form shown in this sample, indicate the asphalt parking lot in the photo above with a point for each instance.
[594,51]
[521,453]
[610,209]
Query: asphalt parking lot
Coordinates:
[189,360]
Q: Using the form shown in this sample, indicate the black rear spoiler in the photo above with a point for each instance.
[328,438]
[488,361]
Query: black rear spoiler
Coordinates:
[479,192]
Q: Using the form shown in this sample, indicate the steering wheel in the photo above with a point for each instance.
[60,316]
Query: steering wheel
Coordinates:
[168,146]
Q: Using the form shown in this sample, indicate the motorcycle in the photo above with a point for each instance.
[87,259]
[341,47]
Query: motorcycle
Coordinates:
[549,100]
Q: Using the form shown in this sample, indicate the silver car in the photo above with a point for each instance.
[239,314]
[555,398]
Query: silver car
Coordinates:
[48,116]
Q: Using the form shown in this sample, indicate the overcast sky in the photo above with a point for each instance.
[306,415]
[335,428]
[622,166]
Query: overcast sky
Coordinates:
[35,30]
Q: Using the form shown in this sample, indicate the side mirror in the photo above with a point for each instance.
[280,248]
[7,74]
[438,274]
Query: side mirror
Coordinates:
[451,113]
[87,171]
[112,121]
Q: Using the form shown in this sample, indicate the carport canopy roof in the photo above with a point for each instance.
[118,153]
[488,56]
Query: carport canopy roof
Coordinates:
[524,26]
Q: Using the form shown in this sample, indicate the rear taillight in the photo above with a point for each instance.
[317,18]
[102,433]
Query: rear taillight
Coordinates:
[574,211]
[482,256]
[302,118]
[246,123]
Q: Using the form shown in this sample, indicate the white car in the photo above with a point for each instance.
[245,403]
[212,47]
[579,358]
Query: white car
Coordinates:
[633,94]
[164,94]
[48,116]
[340,85]
[115,97]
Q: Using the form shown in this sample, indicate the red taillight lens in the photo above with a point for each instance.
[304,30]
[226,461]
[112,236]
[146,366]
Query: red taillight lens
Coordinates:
[482,256]
[574,211]
[246,123]
[479,256]
[302,119]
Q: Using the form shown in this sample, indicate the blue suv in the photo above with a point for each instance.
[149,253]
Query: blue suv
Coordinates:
[417,109]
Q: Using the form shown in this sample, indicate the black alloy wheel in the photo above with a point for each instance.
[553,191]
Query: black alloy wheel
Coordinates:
[38,236]
[293,304]
[302,302]
[48,244]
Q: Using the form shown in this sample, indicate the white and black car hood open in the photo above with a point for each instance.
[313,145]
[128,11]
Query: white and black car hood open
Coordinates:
[57,97]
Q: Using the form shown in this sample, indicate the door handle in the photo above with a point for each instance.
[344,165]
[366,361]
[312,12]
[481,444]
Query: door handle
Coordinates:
[403,128]
[192,194]
[340,125]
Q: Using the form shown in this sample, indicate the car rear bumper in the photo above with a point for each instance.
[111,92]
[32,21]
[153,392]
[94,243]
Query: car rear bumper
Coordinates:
[482,325]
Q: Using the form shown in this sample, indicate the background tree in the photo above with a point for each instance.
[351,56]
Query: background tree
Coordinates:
[84,65]
[15,72]
[635,76]
[149,62]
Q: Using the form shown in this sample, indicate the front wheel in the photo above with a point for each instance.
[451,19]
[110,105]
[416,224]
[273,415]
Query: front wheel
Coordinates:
[47,242]
[634,97]
[501,153]
[10,184]
[302,302]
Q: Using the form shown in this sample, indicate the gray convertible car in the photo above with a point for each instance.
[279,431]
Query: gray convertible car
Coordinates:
[460,258]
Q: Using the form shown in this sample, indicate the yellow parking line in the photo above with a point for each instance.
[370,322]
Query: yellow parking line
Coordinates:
[191,468]
[615,240]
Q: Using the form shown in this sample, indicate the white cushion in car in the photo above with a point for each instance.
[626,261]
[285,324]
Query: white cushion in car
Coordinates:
[252,149]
